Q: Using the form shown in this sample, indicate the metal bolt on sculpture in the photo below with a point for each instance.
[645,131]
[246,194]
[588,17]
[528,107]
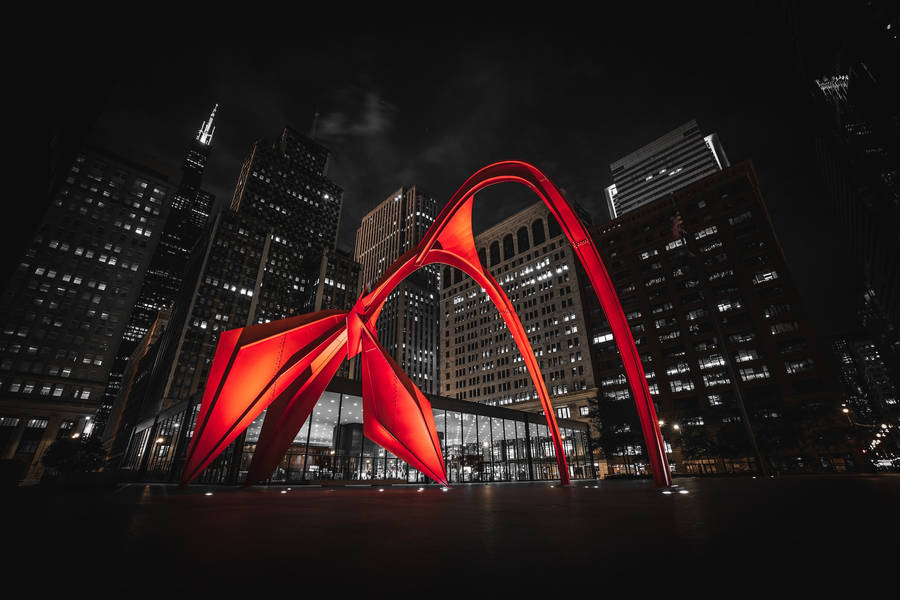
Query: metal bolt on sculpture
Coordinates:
[286,365]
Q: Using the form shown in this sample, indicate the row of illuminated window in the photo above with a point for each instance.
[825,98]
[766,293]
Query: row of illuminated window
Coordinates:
[715,378]
[565,412]
[47,389]
[337,284]
[703,233]
[53,370]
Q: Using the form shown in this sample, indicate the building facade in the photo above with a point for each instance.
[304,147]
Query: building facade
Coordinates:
[667,163]
[187,219]
[533,262]
[848,61]
[332,285]
[285,186]
[68,305]
[134,377]
[722,334]
[479,443]
[858,151]
[408,326]
[871,400]
[249,268]
[333,282]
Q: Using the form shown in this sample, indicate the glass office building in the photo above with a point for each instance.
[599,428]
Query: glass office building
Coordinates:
[480,443]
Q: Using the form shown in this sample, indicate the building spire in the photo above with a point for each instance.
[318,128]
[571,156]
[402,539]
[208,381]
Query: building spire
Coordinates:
[205,135]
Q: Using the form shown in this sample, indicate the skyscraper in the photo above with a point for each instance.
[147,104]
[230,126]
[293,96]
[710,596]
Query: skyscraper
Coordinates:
[722,333]
[187,218]
[408,326]
[333,280]
[854,82]
[332,285]
[249,268]
[67,307]
[530,257]
[667,163]
[285,186]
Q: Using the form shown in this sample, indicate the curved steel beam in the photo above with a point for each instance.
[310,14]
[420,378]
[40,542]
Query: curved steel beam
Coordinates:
[586,251]
[455,247]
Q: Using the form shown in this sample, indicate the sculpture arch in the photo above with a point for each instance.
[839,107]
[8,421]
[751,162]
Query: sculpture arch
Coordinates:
[285,366]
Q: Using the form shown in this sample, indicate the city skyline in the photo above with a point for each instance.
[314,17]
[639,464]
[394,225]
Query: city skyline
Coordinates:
[412,113]
[502,296]
[567,102]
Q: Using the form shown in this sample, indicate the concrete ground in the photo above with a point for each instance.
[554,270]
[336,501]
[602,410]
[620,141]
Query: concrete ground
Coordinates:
[740,532]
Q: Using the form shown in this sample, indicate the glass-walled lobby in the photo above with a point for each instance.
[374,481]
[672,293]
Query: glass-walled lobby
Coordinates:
[480,443]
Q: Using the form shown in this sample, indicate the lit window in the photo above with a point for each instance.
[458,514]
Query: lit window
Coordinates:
[751,373]
[798,366]
[764,276]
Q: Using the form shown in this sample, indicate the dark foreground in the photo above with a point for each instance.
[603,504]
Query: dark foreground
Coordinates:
[158,540]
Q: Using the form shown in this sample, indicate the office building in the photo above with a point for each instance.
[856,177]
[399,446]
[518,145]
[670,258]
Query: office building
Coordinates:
[533,262]
[333,280]
[188,217]
[332,285]
[408,326]
[285,186]
[871,400]
[249,268]
[134,379]
[663,166]
[855,87]
[722,335]
[67,307]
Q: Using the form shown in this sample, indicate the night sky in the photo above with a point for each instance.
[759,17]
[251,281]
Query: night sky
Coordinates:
[423,104]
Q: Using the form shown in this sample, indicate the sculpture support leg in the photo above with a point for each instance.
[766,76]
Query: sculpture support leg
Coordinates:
[457,248]
[501,301]
[292,408]
[251,368]
[398,417]
[575,231]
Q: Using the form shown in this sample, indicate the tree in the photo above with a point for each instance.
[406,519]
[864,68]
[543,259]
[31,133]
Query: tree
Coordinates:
[731,439]
[822,431]
[66,455]
[698,442]
[618,427]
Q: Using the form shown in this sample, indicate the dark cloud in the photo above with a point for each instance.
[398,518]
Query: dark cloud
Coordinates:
[374,118]
[427,106]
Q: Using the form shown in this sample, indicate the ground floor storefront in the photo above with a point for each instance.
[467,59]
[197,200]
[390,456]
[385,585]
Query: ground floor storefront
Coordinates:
[480,443]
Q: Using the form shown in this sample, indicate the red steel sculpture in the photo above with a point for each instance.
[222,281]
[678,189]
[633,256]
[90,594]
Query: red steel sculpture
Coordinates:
[286,365]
